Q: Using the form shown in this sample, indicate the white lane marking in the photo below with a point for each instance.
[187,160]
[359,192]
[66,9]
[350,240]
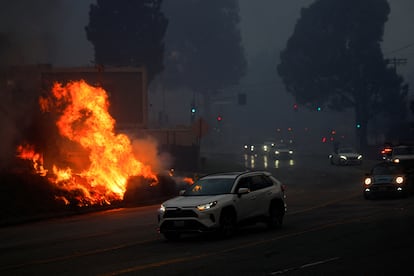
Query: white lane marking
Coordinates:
[320,262]
[304,266]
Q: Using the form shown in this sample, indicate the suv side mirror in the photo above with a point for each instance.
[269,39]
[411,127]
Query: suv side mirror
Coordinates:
[243,191]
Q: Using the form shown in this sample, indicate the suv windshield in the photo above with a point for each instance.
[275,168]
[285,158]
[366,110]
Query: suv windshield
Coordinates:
[210,186]
[385,170]
[346,150]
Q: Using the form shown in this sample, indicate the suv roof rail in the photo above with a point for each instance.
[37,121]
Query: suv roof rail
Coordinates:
[237,173]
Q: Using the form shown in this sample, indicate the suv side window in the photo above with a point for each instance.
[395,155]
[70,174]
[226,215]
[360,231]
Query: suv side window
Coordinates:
[260,182]
[257,183]
[244,183]
[267,181]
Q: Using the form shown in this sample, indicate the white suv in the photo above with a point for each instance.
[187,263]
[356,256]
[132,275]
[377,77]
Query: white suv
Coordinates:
[221,202]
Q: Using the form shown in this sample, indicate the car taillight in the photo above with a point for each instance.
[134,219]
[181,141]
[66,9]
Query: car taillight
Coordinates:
[386,151]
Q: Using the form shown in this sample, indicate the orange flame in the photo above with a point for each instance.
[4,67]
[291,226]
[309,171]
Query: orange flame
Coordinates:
[85,120]
[27,152]
[188,180]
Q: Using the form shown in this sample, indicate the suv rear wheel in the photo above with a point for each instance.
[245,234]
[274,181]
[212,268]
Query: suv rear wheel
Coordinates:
[276,213]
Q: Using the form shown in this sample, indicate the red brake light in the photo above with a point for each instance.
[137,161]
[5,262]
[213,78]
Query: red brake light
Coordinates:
[386,150]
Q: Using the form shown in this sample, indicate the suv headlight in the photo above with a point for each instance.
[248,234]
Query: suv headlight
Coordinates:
[343,157]
[368,181]
[162,208]
[359,157]
[203,207]
[399,179]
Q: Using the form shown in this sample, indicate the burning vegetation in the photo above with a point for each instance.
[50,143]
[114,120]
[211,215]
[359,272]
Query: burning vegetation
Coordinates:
[81,155]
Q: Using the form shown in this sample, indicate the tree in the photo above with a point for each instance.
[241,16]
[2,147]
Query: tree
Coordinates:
[334,58]
[204,45]
[128,33]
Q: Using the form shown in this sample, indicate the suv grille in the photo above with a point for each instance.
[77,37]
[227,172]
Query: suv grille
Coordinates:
[179,213]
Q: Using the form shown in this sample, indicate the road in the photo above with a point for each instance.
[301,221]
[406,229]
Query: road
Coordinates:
[329,228]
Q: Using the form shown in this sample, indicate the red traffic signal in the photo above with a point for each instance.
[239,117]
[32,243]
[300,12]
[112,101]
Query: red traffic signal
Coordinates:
[219,118]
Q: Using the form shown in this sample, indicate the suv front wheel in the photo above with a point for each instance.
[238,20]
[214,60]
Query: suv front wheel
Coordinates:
[172,236]
[227,223]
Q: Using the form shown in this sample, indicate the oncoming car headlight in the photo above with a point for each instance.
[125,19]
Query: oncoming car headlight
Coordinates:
[359,157]
[399,179]
[368,181]
[343,157]
[162,208]
[203,207]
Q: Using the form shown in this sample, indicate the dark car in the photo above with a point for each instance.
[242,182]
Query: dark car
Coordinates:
[345,156]
[402,153]
[282,152]
[389,179]
[386,151]
[252,149]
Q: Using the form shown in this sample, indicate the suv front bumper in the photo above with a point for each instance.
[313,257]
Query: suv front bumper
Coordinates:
[187,220]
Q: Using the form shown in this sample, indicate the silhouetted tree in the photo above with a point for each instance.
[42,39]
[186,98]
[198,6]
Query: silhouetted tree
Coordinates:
[334,59]
[128,33]
[204,50]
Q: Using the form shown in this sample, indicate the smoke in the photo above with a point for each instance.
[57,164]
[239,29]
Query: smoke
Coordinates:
[28,31]
[8,131]
[146,150]
[27,36]
[16,117]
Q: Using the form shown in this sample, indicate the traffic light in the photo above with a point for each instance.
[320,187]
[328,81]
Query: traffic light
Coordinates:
[193,110]
[358,125]
[219,118]
[295,107]
[318,108]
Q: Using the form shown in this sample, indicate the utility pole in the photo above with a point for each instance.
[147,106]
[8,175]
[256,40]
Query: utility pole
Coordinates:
[396,62]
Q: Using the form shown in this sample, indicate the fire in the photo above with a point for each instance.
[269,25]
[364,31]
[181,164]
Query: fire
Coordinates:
[28,152]
[83,119]
[188,180]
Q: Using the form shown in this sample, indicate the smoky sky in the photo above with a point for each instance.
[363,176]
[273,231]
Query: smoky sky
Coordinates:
[52,31]
[268,24]
[44,31]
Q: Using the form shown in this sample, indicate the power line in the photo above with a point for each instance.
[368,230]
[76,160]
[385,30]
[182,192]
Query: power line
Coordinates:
[400,49]
[396,61]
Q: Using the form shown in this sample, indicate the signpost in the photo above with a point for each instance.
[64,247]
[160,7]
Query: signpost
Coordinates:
[200,128]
